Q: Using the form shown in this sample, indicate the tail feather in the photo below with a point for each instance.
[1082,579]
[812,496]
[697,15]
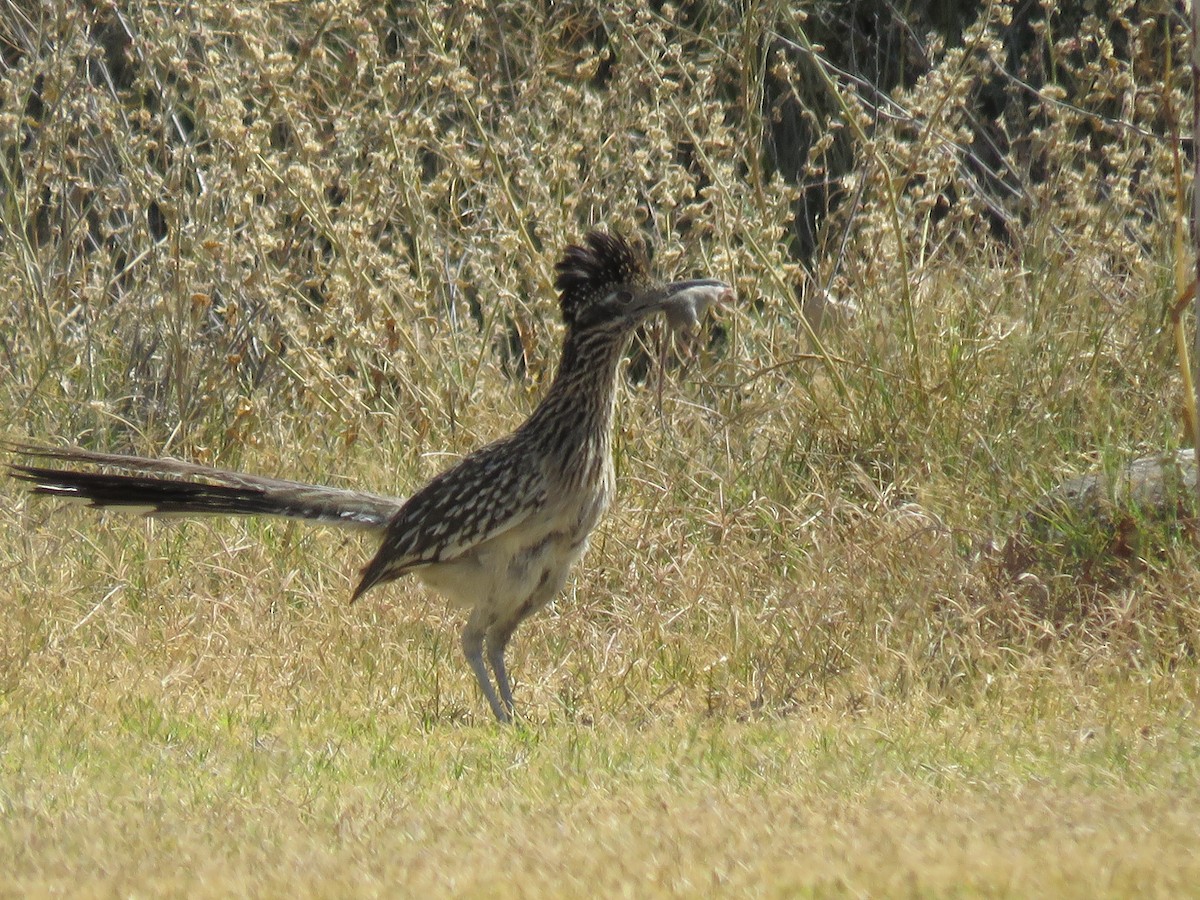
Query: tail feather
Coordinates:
[176,487]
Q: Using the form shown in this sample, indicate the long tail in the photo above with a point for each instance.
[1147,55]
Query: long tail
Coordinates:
[174,487]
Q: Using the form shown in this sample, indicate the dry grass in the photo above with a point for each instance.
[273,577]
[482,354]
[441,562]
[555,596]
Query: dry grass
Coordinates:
[317,239]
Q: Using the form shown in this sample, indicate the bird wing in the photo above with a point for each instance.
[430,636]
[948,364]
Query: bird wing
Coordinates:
[487,493]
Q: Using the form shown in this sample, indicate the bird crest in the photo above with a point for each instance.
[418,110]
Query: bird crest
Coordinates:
[591,270]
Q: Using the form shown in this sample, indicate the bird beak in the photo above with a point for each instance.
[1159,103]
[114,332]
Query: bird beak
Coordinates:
[686,302]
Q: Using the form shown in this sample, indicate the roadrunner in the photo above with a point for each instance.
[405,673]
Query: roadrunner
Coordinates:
[496,533]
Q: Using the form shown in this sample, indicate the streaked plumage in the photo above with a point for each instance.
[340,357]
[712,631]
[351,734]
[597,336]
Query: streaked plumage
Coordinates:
[498,532]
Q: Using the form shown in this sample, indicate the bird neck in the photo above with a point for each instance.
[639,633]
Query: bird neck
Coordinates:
[575,417]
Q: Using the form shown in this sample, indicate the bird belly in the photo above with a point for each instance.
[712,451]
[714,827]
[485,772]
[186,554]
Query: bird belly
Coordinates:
[521,570]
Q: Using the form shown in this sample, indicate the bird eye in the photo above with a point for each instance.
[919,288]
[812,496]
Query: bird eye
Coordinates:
[624,297]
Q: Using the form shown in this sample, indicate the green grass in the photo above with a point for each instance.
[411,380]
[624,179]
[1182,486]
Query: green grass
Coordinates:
[311,240]
[1043,786]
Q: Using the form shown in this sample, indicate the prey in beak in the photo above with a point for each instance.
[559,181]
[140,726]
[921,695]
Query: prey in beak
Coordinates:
[687,302]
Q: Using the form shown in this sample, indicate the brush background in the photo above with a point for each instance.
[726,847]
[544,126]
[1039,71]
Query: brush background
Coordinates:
[317,240]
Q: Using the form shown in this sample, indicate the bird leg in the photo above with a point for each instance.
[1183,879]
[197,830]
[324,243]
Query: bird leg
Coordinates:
[497,642]
[472,644]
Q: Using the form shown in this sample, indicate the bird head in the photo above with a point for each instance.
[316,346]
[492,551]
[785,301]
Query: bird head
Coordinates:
[606,282]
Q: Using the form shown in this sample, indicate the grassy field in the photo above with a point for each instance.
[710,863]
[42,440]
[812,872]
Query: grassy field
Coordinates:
[1047,786]
[317,241]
